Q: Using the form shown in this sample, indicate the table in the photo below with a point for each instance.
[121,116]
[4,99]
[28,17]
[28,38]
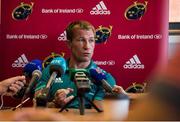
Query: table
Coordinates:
[114,110]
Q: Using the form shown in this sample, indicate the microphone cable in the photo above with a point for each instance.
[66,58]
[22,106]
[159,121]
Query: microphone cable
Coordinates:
[2,100]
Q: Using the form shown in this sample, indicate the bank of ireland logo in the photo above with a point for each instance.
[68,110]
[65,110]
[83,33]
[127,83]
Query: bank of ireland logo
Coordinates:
[100,9]
[22,11]
[20,62]
[133,63]
[102,34]
[62,36]
[136,11]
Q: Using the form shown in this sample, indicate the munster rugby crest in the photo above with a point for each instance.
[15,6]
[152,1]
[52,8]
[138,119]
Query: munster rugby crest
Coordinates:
[102,34]
[22,11]
[49,58]
[137,88]
[136,11]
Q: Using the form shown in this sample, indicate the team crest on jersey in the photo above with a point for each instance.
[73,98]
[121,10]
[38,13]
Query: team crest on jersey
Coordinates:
[102,34]
[49,58]
[22,11]
[136,11]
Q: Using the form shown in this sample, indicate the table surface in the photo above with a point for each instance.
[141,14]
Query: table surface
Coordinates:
[114,110]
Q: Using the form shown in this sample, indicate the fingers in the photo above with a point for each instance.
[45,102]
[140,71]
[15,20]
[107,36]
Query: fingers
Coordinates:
[19,78]
[20,83]
[64,91]
[15,87]
[70,90]
[118,89]
[14,84]
[66,100]
[61,96]
[16,80]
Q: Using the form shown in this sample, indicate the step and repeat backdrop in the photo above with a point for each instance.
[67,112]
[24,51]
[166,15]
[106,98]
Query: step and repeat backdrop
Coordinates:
[132,34]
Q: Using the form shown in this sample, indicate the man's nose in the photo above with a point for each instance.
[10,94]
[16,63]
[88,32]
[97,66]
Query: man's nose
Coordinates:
[86,44]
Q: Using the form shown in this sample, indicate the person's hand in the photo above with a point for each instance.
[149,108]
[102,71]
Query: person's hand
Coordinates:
[12,85]
[61,96]
[118,89]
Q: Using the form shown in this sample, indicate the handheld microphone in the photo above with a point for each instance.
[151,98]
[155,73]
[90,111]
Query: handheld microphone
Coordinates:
[35,64]
[100,79]
[57,68]
[31,70]
[27,71]
[36,75]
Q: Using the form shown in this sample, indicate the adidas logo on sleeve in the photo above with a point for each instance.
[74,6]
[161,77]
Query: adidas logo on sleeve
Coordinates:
[20,62]
[133,63]
[100,9]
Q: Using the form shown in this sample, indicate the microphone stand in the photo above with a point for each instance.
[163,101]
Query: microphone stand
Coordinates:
[82,83]
[81,97]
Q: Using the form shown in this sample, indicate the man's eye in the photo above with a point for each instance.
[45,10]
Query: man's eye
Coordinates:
[81,39]
[92,40]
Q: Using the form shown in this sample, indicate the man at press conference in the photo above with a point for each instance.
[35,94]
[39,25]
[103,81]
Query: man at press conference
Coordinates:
[81,42]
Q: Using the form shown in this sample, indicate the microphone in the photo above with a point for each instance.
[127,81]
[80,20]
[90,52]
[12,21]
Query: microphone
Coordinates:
[80,77]
[57,68]
[83,84]
[27,71]
[100,79]
[31,70]
[36,75]
[35,64]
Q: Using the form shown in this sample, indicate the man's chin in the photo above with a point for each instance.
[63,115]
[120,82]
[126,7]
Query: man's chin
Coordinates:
[85,59]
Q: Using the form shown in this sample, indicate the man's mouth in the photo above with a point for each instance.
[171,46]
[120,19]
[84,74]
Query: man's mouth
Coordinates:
[86,54]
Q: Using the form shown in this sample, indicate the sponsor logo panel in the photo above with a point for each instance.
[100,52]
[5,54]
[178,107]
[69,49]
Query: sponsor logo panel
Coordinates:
[20,61]
[26,36]
[62,11]
[133,63]
[100,9]
[104,63]
[62,36]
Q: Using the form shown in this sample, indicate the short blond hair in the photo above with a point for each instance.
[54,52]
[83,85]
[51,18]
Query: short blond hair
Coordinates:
[80,24]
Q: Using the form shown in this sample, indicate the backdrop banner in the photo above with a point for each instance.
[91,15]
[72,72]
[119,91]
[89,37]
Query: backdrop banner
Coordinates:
[132,34]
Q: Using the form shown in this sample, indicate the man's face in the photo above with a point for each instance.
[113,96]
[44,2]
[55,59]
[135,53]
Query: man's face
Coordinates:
[82,45]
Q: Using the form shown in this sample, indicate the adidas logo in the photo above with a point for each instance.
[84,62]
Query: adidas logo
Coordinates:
[62,36]
[20,62]
[100,9]
[133,63]
[58,80]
